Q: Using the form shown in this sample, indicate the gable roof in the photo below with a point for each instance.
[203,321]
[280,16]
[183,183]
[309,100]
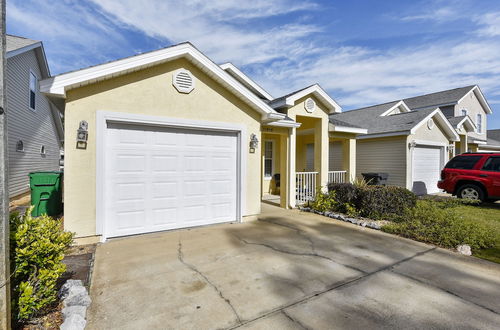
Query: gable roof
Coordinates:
[246,81]
[289,100]
[462,120]
[57,86]
[447,97]
[404,123]
[16,45]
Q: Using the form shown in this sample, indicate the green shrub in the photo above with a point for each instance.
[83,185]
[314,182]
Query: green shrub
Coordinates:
[324,202]
[379,202]
[344,192]
[37,247]
[430,222]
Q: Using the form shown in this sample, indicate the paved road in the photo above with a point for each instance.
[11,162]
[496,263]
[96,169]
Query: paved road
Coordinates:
[288,270]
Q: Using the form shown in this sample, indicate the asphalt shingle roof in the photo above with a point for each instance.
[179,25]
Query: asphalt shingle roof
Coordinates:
[370,118]
[454,121]
[281,98]
[439,98]
[493,136]
[15,42]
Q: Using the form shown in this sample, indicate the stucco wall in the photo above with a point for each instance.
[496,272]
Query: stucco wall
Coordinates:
[147,92]
[435,134]
[471,103]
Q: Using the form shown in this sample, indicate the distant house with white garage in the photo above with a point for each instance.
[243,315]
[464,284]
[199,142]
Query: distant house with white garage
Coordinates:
[34,126]
[412,139]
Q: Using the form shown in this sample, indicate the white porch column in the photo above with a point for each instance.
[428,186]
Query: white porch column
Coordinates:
[321,142]
[292,150]
[349,158]
[284,159]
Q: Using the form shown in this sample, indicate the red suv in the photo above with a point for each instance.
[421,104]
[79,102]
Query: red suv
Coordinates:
[472,175]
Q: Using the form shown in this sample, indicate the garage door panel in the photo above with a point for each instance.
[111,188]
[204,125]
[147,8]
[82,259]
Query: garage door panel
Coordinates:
[426,169]
[165,178]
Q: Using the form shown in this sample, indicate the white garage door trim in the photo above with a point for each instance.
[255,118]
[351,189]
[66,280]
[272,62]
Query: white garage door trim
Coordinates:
[423,144]
[103,117]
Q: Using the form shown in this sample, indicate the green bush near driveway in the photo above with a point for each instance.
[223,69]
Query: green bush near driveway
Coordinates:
[37,247]
[446,222]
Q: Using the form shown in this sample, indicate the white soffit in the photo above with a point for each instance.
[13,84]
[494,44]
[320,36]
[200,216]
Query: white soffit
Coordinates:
[57,86]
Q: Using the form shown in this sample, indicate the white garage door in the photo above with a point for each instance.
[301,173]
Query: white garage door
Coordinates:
[164,178]
[426,169]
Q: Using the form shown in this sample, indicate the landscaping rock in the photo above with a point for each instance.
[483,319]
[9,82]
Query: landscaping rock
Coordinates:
[73,322]
[63,292]
[464,249]
[77,296]
[71,310]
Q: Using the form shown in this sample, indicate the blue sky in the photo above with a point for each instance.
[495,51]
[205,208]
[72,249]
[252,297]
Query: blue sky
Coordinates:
[362,52]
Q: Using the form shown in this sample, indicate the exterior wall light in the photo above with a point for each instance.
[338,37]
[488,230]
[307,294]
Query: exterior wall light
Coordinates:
[412,144]
[254,143]
[451,148]
[82,135]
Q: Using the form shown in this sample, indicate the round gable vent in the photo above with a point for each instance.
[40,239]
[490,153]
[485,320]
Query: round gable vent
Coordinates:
[183,81]
[310,105]
[430,123]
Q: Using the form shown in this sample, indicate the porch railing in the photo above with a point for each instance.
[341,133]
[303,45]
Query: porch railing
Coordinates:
[306,186]
[337,176]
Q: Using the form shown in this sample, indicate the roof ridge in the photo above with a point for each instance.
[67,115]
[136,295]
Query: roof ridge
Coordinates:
[371,106]
[446,90]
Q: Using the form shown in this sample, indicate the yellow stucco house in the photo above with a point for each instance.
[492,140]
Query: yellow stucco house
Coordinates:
[169,139]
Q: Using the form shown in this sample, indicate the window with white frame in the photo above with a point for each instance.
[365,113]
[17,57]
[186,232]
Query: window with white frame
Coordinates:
[479,123]
[33,83]
[464,112]
[268,158]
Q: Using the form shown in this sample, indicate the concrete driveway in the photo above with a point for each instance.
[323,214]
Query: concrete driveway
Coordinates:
[289,270]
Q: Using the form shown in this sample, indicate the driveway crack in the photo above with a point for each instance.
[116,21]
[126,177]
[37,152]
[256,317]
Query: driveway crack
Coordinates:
[294,320]
[180,256]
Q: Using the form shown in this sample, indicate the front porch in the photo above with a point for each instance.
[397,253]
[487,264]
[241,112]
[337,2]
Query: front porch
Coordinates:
[297,162]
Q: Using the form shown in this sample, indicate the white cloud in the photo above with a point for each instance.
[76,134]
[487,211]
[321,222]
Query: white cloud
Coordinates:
[490,24]
[439,15]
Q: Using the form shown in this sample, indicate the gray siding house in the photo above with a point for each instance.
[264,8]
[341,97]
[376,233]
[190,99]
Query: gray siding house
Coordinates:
[34,126]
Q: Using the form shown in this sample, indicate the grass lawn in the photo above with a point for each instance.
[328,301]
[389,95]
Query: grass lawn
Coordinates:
[489,214]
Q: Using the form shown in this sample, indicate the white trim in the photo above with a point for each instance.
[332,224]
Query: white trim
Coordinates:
[284,123]
[58,86]
[470,123]
[453,136]
[480,96]
[443,159]
[102,117]
[21,50]
[346,129]
[430,143]
[400,104]
[478,142]
[317,91]
[372,136]
[479,123]
[245,80]
[35,91]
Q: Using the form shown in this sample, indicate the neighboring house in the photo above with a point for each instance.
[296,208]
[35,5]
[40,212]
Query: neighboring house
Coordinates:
[176,141]
[410,146]
[412,139]
[493,141]
[34,128]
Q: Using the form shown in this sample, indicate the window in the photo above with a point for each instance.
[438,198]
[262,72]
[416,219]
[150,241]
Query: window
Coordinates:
[479,123]
[33,83]
[268,159]
[463,162]
[464,112]
[42,150]
[492,164]
[20,146]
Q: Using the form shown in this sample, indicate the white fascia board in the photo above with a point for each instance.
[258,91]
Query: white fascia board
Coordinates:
[274,116]
[59,85]
[480,96]
[284,123]
[319,93]
[467,122]
[22,50]
[478,142]
[346,129]
[246,80]
[397,105]
[452,134]
[379,135]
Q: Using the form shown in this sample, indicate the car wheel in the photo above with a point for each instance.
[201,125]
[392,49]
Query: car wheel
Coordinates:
[471,191]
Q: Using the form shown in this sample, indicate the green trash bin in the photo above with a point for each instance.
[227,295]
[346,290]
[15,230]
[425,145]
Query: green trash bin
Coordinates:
[46,193]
